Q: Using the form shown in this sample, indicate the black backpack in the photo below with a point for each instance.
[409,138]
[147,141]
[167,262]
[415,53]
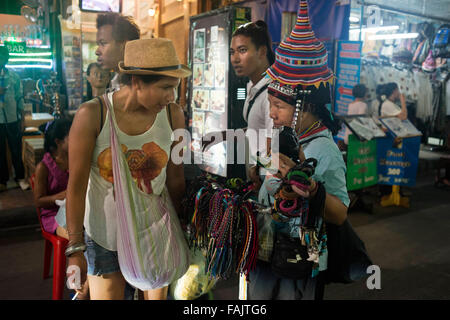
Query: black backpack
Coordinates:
[441,43]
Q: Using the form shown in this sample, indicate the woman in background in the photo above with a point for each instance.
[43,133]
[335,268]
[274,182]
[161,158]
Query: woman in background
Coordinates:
[52,175]
[388,107]
[97,81]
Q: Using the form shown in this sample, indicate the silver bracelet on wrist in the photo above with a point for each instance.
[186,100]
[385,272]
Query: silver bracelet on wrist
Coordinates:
[75,248]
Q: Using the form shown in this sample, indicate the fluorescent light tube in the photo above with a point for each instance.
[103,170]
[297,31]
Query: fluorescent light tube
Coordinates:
[393,36]
[376,29]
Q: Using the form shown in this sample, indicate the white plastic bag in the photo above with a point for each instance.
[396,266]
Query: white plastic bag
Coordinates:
[195,282]
[61,214]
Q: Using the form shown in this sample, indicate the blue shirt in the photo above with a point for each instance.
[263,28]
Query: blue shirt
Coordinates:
[330,168]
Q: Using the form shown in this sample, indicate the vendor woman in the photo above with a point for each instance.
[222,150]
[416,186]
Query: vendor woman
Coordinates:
[298,94]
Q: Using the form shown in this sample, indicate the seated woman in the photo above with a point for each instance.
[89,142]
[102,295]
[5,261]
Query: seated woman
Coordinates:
[52,175]
[388,108]
[358,106]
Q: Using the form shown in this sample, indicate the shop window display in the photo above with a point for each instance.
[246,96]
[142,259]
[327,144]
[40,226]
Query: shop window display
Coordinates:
[399,48]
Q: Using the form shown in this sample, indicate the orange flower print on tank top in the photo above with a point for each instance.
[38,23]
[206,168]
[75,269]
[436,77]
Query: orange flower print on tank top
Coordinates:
[145,164]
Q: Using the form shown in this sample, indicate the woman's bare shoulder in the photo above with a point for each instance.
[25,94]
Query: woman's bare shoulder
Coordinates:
[88,115]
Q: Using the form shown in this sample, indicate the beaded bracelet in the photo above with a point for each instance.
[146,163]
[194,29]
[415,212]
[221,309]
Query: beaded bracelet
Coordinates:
[293,173]
[288,209]
[287,195]
[299,185]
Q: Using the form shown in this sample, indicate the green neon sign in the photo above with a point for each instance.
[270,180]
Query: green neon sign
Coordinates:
[16,47]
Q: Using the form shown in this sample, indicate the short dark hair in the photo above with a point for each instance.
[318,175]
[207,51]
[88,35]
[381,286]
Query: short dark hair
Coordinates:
[389,89]
[124,27]
[359,91]
[259,35]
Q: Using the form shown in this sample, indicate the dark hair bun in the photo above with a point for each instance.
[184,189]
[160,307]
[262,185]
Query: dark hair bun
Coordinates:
[261,24]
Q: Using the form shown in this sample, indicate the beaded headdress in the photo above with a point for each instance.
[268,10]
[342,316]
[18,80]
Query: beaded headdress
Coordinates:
[300,71]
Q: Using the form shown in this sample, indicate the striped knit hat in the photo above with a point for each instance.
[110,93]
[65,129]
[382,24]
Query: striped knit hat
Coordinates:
[301,63]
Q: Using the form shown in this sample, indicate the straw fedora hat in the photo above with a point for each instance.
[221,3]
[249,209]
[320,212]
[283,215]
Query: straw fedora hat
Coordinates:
[152,57]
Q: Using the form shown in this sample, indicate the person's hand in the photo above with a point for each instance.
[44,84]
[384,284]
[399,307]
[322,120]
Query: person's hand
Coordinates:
[310,192]
[285,164]
[253,174]
[402,98]
[76,271]
[61,195]
[212,138]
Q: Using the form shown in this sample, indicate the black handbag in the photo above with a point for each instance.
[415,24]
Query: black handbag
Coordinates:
[347,256]
[289,258]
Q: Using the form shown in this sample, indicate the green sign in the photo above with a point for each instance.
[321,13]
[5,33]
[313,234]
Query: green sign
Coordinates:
[16,47]
[361,163]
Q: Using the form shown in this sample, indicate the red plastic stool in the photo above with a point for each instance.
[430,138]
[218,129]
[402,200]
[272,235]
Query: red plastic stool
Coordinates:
[59,258]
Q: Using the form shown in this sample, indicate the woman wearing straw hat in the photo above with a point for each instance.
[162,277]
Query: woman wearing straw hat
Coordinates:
[139,120]
[298,94]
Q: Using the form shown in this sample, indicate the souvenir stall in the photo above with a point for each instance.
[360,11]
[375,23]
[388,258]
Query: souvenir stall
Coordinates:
[403,45]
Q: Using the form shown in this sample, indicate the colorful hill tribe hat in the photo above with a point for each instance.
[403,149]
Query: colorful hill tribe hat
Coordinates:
[300,72]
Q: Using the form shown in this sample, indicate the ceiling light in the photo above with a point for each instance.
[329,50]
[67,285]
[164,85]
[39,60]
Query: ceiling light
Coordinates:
[376,29]
[151,12]
[394,36]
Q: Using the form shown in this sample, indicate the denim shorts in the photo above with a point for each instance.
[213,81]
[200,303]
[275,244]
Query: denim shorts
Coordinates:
[100,260]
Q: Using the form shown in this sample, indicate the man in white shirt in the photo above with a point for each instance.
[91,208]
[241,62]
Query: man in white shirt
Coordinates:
[250,55]
[256,116]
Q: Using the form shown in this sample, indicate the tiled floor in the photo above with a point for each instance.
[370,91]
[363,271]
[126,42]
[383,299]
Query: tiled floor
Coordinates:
[15,198]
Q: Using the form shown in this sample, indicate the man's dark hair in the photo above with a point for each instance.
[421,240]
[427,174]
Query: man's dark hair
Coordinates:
[359,91]
[258,32]
[123,27]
